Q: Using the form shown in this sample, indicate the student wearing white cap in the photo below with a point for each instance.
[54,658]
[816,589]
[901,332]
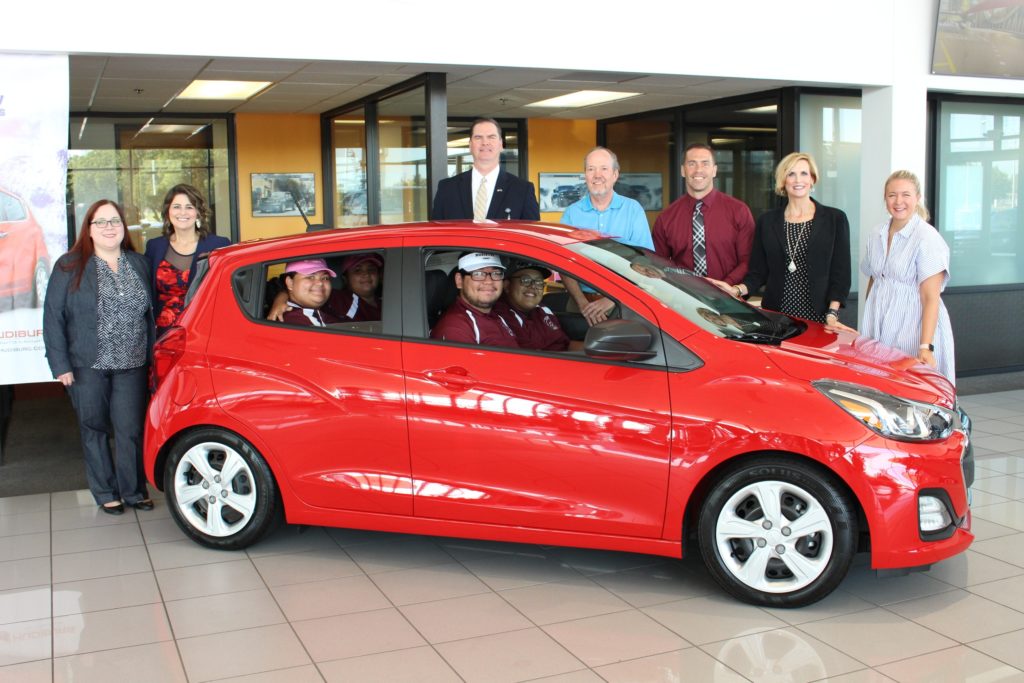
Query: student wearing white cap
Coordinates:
[471,319]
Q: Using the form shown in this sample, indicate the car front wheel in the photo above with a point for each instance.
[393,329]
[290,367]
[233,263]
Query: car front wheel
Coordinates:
[220,491]
[778,532]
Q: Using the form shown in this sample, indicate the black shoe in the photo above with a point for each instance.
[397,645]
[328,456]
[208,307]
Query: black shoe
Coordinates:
[117,509]
[144,504]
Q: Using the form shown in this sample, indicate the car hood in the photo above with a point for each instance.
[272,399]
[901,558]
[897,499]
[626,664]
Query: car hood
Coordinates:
[818,354]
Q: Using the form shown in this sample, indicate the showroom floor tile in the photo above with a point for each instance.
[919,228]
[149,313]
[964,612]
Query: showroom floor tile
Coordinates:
[86,596]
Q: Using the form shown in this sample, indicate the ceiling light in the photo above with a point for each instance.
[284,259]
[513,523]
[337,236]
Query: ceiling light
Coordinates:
[222,90]
[765,109]
[747,129]
[584,98]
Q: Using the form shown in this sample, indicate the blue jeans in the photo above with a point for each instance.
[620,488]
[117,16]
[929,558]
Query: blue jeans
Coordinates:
[112,402]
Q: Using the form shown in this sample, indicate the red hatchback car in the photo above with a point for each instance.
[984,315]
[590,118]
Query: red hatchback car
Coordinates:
[781,448]
[24,260]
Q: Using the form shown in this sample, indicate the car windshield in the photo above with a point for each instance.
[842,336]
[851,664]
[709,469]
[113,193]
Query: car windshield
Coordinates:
[692,297]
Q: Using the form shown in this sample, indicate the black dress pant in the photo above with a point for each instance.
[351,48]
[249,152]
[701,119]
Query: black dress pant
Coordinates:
[112,402]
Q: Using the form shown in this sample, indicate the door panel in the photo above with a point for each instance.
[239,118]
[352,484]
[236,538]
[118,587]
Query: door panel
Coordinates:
[331,405]
[542,440]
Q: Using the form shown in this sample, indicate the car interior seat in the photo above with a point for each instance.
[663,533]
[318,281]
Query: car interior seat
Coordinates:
[573,324]
[440,293]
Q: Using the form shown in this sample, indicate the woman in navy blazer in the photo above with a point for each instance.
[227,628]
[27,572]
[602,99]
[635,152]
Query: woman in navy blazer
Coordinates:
[98,331]
[801,252]
[172,257]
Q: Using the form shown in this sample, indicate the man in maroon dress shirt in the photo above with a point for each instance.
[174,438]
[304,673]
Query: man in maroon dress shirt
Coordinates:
[705,230]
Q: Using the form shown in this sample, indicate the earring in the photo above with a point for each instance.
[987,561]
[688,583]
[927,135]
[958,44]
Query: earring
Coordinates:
[199,224]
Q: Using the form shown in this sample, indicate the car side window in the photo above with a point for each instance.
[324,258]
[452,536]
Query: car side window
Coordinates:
[528,308]
[337,291]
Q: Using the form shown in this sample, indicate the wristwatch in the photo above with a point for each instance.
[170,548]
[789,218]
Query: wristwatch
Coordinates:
[930,347]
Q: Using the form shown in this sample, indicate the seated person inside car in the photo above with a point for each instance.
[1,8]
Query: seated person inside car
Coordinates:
[535,325]
[472,318]
[309,286]
[358,301]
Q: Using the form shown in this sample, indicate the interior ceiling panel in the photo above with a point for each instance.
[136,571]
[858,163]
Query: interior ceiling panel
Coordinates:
[146,83]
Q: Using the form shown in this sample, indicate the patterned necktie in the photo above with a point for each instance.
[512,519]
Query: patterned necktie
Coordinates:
[480,204]
[700,256]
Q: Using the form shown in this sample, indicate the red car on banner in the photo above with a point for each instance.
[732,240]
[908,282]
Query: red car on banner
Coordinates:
[780,448]
[24,260]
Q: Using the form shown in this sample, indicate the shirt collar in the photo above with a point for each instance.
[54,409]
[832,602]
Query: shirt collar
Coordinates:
[708,199]
[491,177]
[906,232]
[616,203]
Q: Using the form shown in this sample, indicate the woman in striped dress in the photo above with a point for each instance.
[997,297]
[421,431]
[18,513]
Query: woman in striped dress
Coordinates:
[907,263]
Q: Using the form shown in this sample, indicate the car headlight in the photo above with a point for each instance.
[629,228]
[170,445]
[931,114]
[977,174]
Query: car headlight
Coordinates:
[890,416]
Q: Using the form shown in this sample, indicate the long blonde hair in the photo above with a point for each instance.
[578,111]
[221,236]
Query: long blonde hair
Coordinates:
[921,210]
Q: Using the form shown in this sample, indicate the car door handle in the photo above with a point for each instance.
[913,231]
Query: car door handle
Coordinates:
[453,377]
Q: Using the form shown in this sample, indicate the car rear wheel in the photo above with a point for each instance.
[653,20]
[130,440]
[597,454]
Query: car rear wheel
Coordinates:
[220,491]
[778,533]
[40,278]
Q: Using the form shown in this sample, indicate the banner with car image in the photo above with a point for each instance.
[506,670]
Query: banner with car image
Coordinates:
[33,214]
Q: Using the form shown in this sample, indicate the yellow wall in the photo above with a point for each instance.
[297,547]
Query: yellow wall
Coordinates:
[558,146]
[276,143]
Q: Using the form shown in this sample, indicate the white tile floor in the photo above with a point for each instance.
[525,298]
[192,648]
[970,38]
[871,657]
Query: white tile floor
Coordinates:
[90,597]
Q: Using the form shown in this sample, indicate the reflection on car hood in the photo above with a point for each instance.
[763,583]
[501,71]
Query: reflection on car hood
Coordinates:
[866,361]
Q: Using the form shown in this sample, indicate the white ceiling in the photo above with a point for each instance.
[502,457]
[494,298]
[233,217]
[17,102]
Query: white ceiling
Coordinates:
[148,84]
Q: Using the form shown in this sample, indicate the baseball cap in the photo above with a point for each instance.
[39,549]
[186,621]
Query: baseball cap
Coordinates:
[308,267]
[516,266]
[354,260]
[477,260]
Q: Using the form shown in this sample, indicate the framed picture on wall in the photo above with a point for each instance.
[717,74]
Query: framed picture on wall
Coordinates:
[283,194]
[643,187]
[559,190]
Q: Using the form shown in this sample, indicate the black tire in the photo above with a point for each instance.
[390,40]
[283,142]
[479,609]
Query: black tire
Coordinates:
[228,513]
[768,517]
[40,278]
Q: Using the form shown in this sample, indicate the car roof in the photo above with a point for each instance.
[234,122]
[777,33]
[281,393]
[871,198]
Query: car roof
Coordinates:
[335,239]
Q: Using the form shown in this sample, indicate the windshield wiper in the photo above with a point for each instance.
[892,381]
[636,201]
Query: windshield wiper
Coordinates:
[771,331]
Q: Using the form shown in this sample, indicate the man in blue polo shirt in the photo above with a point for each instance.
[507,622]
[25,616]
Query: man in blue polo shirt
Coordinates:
[603,210]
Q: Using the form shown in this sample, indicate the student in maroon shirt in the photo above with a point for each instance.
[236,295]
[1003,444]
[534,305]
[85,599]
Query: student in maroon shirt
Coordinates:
[358,301]
[472,319]
[535,326]
[309,285]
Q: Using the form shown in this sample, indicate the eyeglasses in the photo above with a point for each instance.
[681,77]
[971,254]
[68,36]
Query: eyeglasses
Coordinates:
[481,275]
[527,281]
[102,222]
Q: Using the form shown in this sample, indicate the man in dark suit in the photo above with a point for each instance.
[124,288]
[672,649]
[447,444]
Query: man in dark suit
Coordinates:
[485,191]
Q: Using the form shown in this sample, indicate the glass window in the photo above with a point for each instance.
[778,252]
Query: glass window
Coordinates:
[344,293]
[830,130]
[134,161]
[979,184]
[403,157]
[350,170]
[644,148]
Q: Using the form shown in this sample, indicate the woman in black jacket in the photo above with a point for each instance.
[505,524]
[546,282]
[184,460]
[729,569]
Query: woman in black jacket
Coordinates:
[801,252]
[98,330]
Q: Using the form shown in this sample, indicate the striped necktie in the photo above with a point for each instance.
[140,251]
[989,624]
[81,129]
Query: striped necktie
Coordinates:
[700,256]
[480,204]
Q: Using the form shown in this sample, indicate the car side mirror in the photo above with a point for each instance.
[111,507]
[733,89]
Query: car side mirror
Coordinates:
[619,340]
